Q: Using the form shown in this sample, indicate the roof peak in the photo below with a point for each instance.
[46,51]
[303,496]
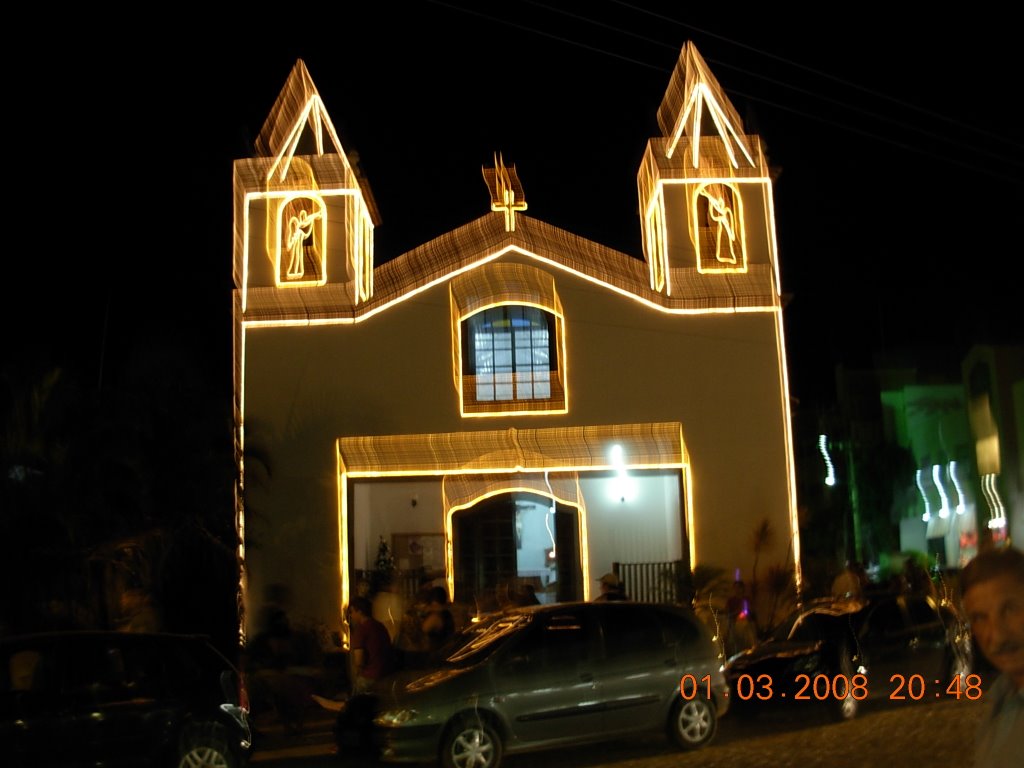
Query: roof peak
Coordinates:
[695,102]
[297,117]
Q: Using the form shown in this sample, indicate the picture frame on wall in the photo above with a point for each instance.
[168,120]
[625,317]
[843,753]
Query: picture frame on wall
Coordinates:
[415,551]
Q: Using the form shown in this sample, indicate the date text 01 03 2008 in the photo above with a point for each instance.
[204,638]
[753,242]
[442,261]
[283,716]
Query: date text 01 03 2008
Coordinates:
[823,687]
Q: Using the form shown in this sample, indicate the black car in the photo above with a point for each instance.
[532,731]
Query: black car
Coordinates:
[119,699]
[554,675]
[840,652]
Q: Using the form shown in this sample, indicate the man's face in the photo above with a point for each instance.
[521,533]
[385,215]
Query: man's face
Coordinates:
[995,609]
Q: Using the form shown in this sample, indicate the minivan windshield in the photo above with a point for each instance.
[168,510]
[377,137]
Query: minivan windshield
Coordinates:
[479,639]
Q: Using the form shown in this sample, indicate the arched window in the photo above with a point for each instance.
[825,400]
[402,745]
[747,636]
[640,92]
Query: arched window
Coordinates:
[507,339]
[510,353]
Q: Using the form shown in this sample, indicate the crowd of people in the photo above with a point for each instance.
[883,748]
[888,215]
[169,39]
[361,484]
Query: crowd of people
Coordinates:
[387,636]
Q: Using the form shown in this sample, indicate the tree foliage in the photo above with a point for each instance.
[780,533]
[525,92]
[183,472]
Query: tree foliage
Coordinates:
[129,482]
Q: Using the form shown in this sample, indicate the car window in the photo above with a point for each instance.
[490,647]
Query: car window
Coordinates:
[799,625]
[92,671]
[810,626]
[24,670]
[782,631]
[145,672]
[885,620]
[184,667]
[631,630]
[821,621]
[553,641]
[81,666]
[478,640]
[677,628]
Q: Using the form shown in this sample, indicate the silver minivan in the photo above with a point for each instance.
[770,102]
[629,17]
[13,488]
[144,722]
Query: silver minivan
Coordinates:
[553,675]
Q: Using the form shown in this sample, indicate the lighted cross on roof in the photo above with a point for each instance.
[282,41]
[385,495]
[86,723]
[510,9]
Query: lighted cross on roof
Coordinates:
[506,191]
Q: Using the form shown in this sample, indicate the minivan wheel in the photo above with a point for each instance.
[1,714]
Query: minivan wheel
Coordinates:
[692,724]
[205,745]
[471,743]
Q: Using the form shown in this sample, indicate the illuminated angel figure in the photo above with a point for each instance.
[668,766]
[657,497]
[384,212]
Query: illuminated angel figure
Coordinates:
[300,229]
[721,213]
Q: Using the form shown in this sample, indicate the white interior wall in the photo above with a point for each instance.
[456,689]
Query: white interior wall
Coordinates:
[640,525]
[385,507]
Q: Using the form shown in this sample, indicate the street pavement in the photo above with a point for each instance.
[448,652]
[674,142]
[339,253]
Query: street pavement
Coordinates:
[933,734]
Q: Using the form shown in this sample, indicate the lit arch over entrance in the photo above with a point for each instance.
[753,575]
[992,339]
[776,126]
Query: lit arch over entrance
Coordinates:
[474,466]
[567,562]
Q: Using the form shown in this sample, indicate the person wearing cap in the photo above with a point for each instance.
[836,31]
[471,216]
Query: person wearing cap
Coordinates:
[611,588]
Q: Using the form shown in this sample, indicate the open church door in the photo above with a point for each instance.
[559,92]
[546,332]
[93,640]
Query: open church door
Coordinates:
[484,543]
[567,554]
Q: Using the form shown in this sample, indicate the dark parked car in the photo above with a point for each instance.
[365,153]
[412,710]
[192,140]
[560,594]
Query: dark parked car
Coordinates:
[840,652]
[119,699]
[552,675]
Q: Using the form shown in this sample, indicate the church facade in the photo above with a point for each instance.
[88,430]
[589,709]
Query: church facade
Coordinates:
[509,403]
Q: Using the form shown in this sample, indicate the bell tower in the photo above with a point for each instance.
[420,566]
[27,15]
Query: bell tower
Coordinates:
[704,186]
[303,216]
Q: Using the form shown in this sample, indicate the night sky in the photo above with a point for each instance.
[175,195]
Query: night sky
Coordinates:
[897,200]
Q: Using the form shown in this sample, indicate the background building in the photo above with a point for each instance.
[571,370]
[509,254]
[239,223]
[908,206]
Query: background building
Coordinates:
[925,457]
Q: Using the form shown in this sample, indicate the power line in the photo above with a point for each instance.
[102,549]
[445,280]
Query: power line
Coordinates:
[835,102]
[827,76]
[546,34]
[900,145]
[861,112]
